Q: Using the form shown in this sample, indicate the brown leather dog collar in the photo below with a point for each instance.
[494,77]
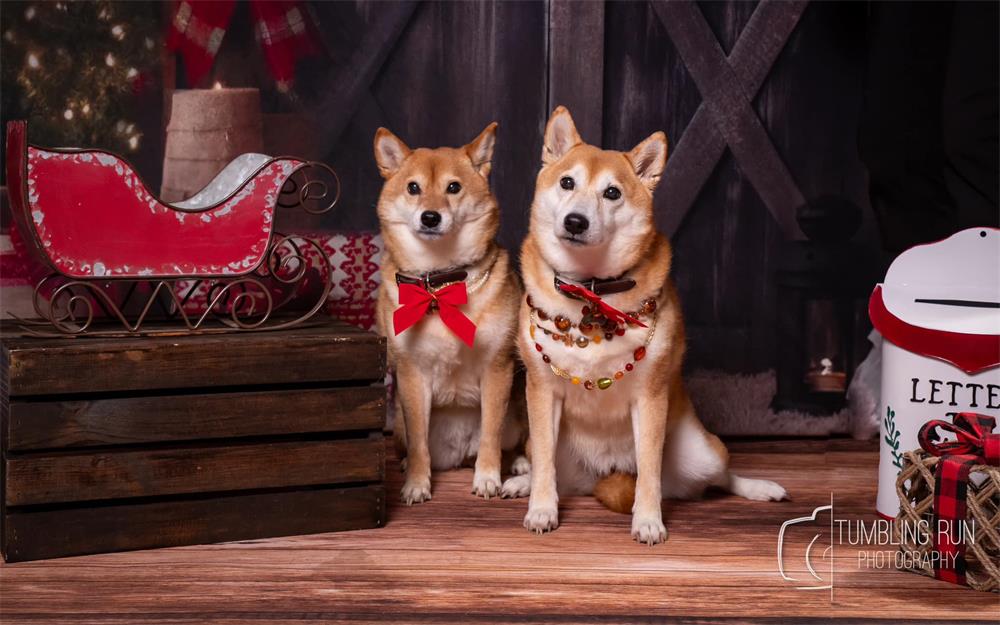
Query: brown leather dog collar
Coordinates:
[436,279]
[433,279]
[600,286]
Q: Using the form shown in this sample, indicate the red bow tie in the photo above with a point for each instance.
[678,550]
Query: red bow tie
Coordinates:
[415,300]
[974,434]
[609,311]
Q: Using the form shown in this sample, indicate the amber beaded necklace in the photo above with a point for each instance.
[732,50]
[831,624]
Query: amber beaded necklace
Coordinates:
[592,329]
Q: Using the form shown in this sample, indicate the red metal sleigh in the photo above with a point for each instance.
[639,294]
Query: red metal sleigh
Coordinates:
[125,262]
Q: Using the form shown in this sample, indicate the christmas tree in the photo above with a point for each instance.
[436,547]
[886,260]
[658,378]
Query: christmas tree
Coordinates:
[73,68]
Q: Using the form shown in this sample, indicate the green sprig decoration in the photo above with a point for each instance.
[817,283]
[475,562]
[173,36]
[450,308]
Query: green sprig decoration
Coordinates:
[72,68]
[892,437]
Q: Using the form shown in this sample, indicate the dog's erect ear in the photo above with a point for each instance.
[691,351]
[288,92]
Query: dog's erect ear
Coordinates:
[480,150]
[560,136]
[648,159]
[390,152]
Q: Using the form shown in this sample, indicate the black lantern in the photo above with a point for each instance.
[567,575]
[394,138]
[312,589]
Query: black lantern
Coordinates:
[822,325]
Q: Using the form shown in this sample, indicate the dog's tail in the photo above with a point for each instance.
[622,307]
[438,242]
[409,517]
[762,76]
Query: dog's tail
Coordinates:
[616,492]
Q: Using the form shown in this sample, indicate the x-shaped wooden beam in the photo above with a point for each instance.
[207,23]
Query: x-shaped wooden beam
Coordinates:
[350,87]
[726,115]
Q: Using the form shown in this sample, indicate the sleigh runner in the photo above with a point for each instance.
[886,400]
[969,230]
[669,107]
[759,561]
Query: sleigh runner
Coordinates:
[124,261]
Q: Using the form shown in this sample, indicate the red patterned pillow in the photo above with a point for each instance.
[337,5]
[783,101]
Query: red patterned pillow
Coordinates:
[19,273]
[355,259]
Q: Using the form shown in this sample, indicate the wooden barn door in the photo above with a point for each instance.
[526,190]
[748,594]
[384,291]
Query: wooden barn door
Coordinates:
[760,103]
[435,73]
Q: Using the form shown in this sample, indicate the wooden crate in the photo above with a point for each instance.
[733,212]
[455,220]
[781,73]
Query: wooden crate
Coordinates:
[112,444]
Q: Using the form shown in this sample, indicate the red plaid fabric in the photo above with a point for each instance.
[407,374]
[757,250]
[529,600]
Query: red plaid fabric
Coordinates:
[280,27]
[974,444]
[284,35]
[197,31]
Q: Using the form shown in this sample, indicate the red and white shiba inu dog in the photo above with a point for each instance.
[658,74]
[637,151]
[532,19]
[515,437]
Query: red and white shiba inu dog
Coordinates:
[602,338]
[438,220]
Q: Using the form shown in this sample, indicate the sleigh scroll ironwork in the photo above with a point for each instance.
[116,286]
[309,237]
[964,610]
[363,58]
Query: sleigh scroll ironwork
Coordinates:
[122,261]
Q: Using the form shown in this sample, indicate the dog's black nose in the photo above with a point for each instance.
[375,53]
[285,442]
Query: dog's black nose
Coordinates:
[575,223]
[431,219]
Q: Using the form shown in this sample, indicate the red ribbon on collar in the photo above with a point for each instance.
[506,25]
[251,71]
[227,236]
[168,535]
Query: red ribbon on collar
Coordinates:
[415,301]
[976,444]
[608,310]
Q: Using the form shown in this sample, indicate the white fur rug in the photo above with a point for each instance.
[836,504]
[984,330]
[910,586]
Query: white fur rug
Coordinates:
[735,404]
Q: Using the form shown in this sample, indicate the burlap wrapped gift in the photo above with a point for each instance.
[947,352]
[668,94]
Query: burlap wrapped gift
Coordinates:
[915,487]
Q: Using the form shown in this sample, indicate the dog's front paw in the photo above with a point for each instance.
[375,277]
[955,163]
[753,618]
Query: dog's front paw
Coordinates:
[517,486]
[486,484]
[416,490]
[520,466]
[648,530]
[541,519]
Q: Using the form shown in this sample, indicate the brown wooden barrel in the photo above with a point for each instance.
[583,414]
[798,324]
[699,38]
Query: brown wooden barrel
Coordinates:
[207,129]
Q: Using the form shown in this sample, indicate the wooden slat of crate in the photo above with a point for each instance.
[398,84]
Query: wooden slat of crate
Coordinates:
[330,351]
[106,528]
[160,418]
[138,442]
[33,479]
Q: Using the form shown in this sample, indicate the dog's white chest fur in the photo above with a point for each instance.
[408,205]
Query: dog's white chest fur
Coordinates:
[595,433]
[454,369]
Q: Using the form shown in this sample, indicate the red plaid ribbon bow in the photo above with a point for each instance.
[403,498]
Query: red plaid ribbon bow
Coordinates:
[281,28]
[608,310]
[975,445]
[415,302]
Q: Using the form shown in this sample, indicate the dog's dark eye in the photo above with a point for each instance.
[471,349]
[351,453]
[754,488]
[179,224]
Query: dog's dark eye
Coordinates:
[567,183]
[413,188]
[612,193]
[454,187]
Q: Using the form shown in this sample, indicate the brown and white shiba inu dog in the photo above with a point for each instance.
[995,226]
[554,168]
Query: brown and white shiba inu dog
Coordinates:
[605,399]
[438,220]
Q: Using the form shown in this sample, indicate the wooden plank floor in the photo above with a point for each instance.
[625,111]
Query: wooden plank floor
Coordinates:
[462,559]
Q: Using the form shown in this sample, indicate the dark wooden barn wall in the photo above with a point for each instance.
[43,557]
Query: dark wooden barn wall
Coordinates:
[727,247]
[454,67]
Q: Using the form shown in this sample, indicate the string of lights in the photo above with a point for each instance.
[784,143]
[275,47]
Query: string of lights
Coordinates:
[76,67]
